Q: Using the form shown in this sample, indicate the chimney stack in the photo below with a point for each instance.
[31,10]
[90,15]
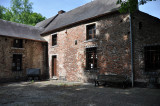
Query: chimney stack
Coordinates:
[61,12]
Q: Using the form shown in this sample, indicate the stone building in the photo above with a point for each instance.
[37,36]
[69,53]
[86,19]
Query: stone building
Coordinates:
[95,39]
[21,47]
[89,40]
[146,46]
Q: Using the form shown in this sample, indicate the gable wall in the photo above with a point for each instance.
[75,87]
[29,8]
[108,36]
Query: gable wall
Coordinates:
[148,35]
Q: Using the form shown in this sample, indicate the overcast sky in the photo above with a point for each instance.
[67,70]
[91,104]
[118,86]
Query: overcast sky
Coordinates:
[49,8]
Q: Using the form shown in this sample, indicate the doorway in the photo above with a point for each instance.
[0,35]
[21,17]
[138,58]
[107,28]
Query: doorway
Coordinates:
[54,66]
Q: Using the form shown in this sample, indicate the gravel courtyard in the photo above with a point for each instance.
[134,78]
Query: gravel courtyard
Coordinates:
[53,93]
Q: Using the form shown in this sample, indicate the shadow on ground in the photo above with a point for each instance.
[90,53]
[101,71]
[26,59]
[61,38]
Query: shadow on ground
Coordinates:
[52,93]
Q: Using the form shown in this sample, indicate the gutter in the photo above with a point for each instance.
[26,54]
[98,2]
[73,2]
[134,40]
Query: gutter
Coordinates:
[131,38]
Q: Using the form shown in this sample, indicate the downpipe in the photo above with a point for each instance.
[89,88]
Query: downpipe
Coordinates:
[131,38]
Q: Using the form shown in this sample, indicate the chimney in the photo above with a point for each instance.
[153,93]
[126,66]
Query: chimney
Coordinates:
[61,12]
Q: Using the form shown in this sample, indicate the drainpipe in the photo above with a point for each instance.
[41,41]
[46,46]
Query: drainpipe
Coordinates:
[131,38]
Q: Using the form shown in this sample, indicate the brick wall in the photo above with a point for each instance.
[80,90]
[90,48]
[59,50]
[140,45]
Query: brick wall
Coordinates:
[33,56]
[147,35]
[113,45]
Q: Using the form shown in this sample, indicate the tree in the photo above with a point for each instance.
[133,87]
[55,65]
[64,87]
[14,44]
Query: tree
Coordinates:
[130,5]
[21,12]
[2,10]
[35,18]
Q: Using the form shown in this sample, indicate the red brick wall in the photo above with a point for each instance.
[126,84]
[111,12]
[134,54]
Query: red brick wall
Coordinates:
[113,45]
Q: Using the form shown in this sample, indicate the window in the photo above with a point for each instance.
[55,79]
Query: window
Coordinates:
[140,25]
[18,43]
[91,58]
[54,40]
[17,62]
[91,31]
[152,58]
[76,42]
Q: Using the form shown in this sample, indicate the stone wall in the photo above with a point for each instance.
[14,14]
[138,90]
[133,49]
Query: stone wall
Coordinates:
[146,32]
[33,56]
[112,42]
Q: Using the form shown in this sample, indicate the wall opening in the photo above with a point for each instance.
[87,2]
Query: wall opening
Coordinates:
[17,62]
[91,31]
[54,39]
[91,58]
[54,66]
[152,58]
[18,43]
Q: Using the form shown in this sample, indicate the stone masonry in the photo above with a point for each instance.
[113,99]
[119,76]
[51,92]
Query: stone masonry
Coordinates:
[33,56]
[146,34]
[112,42]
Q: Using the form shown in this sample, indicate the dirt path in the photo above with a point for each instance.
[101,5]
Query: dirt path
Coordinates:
[51,93]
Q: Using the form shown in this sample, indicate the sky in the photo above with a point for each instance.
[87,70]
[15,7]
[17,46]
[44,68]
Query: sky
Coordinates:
[49,8]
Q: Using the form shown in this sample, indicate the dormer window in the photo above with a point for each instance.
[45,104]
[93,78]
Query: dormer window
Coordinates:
[91,31]
[18,43]
[54,39]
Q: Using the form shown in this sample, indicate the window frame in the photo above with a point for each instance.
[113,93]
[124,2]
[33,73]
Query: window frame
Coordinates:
[54,40]
[91,27]
[91,58]
[18,43]
[15,63]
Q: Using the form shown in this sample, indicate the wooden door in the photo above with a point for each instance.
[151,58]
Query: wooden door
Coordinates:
[54,65]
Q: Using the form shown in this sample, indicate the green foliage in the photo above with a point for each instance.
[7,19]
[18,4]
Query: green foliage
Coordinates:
[130,5]
[32,81]
[2,10]
[141,2]
[35,18]
[20,12]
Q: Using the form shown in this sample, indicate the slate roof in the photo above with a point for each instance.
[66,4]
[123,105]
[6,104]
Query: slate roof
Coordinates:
[46,22]
[89,10]
[12,29]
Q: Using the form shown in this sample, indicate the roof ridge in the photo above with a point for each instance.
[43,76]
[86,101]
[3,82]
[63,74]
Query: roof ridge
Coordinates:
[78,7]
[54,17]
[51,20]
[84,12]
[149,15]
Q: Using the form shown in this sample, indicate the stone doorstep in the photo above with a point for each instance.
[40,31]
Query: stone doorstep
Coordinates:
[54,78]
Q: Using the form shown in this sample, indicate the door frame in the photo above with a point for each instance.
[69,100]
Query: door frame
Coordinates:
[54,67]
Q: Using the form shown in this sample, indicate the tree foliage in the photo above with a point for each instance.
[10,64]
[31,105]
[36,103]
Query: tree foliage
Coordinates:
[20,11]
[2,10]
[131,5]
